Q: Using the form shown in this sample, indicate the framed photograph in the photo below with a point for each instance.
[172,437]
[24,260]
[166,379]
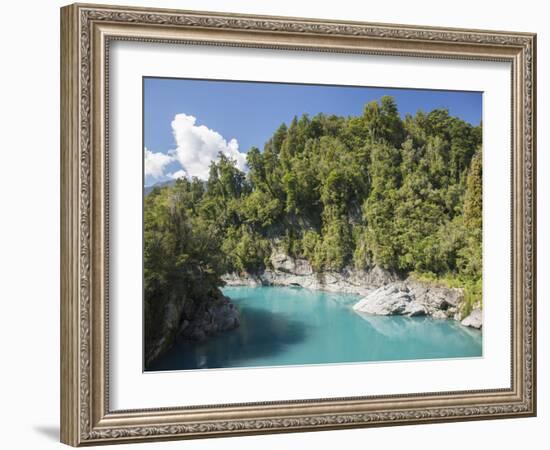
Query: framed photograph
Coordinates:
[276,224]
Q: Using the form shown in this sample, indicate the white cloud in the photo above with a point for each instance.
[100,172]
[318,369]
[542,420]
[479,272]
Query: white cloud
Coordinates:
[155,163]
[178,174]
[198,146]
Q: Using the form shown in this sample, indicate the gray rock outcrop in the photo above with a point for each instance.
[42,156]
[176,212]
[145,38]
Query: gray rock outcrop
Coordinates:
[215,317]
[412,298]
[245,279]
[438,301]
[474,320]
[389,300]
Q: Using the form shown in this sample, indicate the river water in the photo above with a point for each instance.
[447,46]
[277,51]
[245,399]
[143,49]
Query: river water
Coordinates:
[295,326]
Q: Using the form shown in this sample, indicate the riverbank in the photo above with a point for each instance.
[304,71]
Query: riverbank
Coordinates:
[384,293]
[288,271]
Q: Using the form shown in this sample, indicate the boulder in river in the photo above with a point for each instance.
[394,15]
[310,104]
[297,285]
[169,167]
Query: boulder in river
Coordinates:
[389,300]
[412,298]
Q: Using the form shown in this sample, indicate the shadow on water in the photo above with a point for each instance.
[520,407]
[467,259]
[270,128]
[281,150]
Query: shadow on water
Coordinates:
[261,334]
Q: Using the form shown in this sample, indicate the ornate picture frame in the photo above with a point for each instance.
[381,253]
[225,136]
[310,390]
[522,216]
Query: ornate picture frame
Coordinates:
[87,31]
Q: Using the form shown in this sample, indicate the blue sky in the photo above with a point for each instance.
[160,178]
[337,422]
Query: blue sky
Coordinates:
[212,113]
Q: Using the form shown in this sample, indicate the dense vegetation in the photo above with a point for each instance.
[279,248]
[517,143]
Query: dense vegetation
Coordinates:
[339,192]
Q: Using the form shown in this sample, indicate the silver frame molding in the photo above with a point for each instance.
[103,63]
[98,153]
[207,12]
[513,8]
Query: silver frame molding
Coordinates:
[86,31]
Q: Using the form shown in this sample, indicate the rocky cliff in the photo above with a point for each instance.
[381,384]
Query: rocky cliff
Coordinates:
[288,271]
[185,318]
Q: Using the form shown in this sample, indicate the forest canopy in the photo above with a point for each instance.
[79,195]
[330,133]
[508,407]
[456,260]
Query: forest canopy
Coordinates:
[358,192]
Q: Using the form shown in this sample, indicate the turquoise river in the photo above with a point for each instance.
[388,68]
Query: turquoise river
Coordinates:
[295,326]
